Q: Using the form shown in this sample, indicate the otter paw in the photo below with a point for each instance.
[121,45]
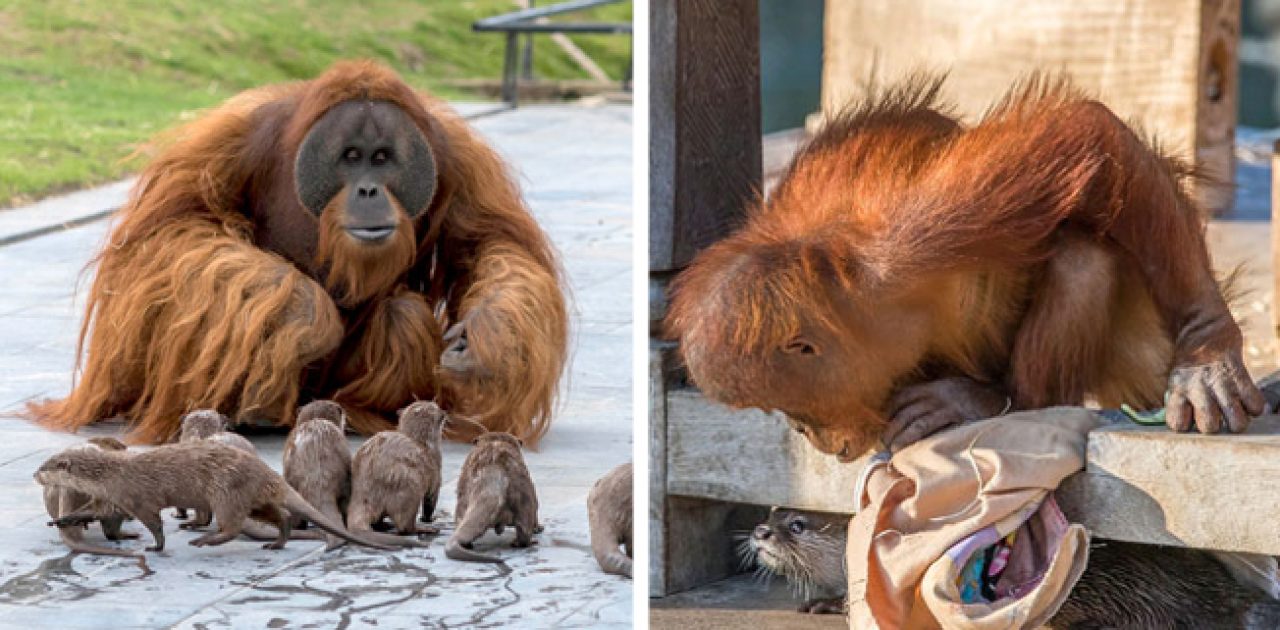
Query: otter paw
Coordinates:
[828,606]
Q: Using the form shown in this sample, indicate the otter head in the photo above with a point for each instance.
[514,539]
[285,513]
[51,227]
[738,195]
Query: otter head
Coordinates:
[322,410]
[423,421]
[202,423]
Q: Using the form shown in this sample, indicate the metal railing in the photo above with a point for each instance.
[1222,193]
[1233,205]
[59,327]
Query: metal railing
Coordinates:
[530,21]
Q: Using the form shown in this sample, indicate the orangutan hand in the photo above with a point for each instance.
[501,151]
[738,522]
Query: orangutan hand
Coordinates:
[458,357]
[920,410]
[1210,393]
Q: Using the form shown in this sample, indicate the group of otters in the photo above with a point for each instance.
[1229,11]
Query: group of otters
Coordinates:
[218,475]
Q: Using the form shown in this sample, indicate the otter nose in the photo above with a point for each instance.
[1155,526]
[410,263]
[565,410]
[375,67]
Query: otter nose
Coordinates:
[763,532]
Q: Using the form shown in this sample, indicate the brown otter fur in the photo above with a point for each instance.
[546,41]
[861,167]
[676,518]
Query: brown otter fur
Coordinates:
[231,484]
[807,548]
[609,513]
[494,490]
[208,424]
[1127,585]
[60,501]
[395,472]
[317,460]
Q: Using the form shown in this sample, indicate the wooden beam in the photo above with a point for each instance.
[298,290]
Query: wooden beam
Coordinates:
[704,123]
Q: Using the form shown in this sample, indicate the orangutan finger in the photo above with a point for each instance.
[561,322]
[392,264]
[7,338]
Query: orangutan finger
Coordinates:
[1208,416]
[1178,412]
[900,420]
[454,333]
[923,428]
[1229,402]
[907,396]
[1250,396]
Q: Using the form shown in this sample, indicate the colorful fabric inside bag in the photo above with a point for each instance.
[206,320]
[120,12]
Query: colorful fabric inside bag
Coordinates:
[997,578]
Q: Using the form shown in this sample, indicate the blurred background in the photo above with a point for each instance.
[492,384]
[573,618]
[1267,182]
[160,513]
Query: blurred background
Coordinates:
[82,83]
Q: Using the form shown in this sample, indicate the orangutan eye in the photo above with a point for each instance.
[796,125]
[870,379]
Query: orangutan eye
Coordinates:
[796,527]
[379,157]
[351,155]
[799,346]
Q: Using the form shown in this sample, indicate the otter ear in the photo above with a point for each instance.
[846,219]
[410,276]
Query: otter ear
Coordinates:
[520,442]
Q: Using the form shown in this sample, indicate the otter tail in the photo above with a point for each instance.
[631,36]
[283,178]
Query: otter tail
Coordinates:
[607,554]
[482,513]
[298,505]
[76,544]
[455,550]
[261,531]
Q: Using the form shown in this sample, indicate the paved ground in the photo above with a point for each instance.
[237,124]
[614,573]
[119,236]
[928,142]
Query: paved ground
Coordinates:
[576,168]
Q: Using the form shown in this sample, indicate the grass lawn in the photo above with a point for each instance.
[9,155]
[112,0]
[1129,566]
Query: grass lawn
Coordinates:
[83,82]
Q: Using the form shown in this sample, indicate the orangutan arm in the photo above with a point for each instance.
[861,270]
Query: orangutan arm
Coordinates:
[507,335]
[504,355]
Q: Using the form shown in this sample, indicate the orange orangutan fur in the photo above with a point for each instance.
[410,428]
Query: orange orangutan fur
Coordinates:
[357,273]
[187,311]
[1045,250]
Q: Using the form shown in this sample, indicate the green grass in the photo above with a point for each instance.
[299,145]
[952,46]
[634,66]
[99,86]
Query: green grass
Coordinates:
[83,83]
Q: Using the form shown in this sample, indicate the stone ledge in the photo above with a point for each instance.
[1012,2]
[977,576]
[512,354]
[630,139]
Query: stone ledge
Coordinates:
[1147,485]
[1141,484]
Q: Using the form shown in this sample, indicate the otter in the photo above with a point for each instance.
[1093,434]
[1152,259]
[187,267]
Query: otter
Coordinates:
[60,501]
[1125,585]
[806,548]
[395,472]
[317,461]
[609,513]
[229,483]
[494,490]
[208,424]
[1130,585]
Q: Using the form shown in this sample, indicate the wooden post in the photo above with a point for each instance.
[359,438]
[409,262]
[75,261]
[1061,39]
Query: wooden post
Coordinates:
[704,123]
[1275,236]
[704,168]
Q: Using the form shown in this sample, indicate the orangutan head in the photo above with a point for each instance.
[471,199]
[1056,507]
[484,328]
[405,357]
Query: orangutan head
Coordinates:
[367,172]
[788,325]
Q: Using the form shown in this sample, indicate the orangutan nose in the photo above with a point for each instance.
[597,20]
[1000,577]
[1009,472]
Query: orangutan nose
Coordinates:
[367,191]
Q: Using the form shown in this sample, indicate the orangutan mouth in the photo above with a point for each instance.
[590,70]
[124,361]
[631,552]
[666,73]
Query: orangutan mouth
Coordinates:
[371,234]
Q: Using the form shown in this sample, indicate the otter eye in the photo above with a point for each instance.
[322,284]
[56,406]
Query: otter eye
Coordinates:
[351,155]
[63,465]
[796,527]
[800,346]
[379,157]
